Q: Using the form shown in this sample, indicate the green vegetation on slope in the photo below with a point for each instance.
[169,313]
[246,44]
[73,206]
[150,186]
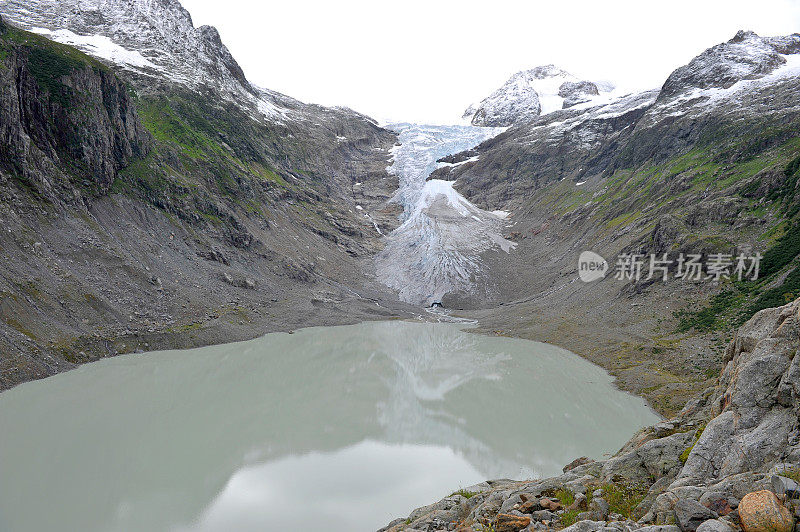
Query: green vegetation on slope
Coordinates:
[215,165]
[778,284]
[212,144]
[623,497]
[709,317]
[782,253]
[747,168]
[736,186]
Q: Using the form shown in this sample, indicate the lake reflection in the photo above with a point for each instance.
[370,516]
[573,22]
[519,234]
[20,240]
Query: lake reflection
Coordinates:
[348,426]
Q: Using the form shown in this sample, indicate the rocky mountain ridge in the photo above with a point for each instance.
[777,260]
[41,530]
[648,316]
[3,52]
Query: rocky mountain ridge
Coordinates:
[746,56]
[157,44]
[153,40]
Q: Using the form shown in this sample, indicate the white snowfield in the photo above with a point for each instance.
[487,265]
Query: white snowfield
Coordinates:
[437,248]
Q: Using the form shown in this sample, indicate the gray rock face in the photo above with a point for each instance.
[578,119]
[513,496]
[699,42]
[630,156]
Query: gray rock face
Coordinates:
[758,400]
[599,507]
[516,100]
[82,130]
[577,92]
[746,56]
[714,525]
[654,459]
[586,526]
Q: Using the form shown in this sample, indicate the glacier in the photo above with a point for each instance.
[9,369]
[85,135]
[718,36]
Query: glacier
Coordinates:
[436,250]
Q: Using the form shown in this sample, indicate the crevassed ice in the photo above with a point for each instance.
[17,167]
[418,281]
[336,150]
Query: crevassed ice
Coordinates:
[437,248]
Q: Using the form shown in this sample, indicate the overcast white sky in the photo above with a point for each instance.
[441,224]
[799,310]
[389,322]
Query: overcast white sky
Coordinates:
[426,60]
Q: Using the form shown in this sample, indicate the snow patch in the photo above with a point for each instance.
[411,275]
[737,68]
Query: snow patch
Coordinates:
[98,46]
[465,161]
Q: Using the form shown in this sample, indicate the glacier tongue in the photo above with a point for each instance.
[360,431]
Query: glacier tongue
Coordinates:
[437,248]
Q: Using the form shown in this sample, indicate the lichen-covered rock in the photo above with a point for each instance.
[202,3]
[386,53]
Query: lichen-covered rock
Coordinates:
[586,526]
[654,459]
[583,460]
[761,511]
[510,523]
[599,508]
[719,502]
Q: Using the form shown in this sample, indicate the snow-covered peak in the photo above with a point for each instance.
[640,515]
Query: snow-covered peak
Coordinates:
[532,93]
[153,39]
[745,57]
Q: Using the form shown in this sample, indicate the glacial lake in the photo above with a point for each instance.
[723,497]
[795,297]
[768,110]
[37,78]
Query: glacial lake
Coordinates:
[337,428]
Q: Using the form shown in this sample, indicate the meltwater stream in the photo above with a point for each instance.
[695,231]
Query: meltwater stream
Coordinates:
[437,248]
[333,428]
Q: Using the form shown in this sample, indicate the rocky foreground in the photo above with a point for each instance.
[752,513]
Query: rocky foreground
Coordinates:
[729,460]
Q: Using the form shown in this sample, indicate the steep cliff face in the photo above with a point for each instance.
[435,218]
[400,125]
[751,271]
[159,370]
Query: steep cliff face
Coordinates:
[66,121]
